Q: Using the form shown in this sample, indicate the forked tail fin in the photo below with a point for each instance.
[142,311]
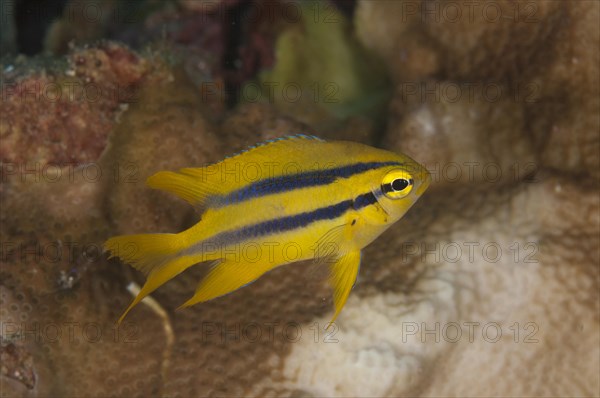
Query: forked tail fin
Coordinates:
[143,252]
[156,255]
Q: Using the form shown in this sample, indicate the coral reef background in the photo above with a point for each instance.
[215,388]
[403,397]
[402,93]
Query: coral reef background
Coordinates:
[488,287]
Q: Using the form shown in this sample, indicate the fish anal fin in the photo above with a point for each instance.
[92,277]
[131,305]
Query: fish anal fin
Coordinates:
[343,273]
[226,277]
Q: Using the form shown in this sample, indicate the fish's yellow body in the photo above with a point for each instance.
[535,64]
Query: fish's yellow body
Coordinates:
[287,200]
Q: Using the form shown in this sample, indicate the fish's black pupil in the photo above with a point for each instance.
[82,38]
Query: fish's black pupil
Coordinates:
[399,184]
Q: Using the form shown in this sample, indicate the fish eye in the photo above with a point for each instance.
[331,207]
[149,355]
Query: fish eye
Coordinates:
[397,184]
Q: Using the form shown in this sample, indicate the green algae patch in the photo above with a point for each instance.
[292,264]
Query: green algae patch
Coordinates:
[322,74]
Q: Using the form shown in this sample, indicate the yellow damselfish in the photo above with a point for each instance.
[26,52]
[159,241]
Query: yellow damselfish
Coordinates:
[286,200]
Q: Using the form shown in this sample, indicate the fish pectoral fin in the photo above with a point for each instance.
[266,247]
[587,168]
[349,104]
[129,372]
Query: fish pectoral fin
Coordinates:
[343,273]
[193,188]
[226,277]
[328,246]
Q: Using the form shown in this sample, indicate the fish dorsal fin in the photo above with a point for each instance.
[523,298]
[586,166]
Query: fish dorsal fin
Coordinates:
[185,186]
[266,159]
[280,142]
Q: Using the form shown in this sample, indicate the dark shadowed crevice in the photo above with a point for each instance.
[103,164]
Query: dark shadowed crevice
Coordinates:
[32,19]
[234,40]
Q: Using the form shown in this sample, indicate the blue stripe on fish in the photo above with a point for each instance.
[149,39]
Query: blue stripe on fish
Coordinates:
[364,200]
[292,182]
[284,224]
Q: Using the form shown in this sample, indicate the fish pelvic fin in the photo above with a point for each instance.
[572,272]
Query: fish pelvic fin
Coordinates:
[156,255]
[226,277]
[342,276]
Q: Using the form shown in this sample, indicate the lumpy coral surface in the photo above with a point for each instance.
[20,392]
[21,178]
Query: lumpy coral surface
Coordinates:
[489,286]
